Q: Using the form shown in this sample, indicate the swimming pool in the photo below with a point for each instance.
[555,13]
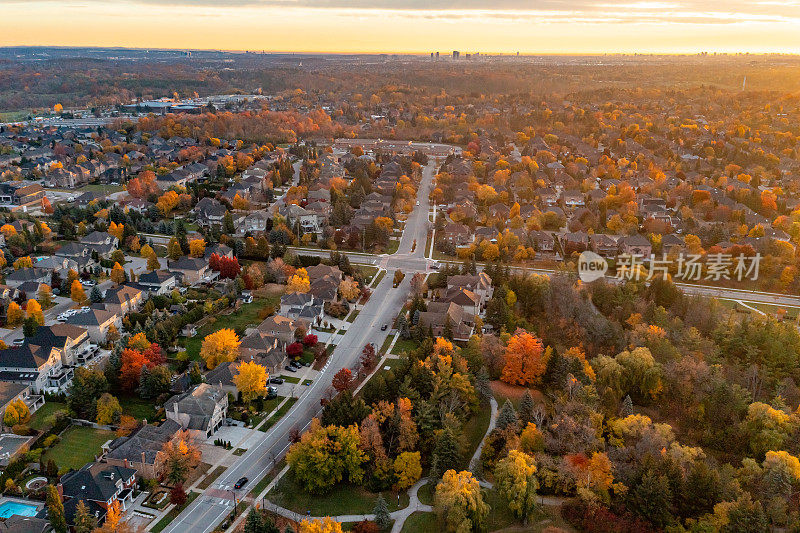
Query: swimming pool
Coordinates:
[11,508]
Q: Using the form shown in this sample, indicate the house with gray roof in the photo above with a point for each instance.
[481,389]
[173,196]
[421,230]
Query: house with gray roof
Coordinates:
[200,411]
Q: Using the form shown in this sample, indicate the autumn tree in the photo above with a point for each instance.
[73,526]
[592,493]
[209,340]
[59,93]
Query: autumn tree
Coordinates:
[348,289]
[342,380]
[197,247]
[525,360]
[251,380]
[77,293]
[326,456]
[299,282]
[34,310]
[55,510]
[516,482]
[180,456]
[320,525]
[131,369]
[85,522]
[407,469]
[45,296]
[459,503]
[23,262]
[109,410]
[174,251]
[220,347]
[167,202]
[118,274]
[14,315]
[16,413]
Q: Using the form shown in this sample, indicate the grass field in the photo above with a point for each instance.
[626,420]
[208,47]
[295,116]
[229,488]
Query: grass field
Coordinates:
[278,414]
[352,316]
[43,418]
[404,345]
[342,499]
[378,279]
[420,522]
[425,494]
[246,315]
[474,430]
[138,408]
[78,446]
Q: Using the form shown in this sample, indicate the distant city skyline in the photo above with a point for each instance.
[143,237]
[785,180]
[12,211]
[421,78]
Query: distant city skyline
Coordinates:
[414,26]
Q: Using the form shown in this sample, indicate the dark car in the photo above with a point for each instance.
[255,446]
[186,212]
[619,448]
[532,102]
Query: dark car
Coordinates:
[277,381]
[295,364]
[384,327]
[290,368]
[241,483]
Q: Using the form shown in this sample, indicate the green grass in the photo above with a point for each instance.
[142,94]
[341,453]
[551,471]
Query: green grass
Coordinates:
[474,430]
[367,271]
[170,516]
[404,345]
[352,316]
[342,499]
[277,416]
[78,446]
[138,408]
[44,417]
[307,381]
[210,478]
[393,245]
[290,379]
[266,480]
[425,494]
[239,452]
[386,343]
[99,187]
[420,522]
[269,406]
[246,315]
[378,278]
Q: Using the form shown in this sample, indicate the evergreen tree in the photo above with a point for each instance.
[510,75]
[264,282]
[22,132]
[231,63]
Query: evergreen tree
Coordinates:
[482,380]
[526,407]
[507,416]
[627,406]
[447,451]
[254,522]
[30,327]
[55,510]
[382,518]
[227,224]
[95,295]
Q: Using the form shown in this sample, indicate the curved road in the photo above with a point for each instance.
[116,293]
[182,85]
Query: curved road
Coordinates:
[216,502]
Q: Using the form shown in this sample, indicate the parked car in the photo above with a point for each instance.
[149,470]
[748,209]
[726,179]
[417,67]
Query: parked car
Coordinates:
[290,368]
[18,342]
[295,364]
[241,483]
[277,381]
[88,283]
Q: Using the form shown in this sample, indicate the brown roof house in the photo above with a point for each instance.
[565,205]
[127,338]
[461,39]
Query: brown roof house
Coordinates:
[442,316]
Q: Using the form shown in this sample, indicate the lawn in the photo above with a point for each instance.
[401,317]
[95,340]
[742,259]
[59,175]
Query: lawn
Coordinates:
[425,493]
[277,416]
[378,279]
[210,478]
[138,408]
[367,271]
[404,345]
[420,522]
[246,315]
[342,499]
[386,343]
[290,379]
[78,446]
[43,418]
[170,516]
[352,316]
[266,480]
[393,245]
[474,430]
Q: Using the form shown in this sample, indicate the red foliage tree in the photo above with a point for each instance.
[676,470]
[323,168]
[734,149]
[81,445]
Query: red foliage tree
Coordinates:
[295,349]
[342,380]
[132,363]
[310,339]
[177,495]
[368,358]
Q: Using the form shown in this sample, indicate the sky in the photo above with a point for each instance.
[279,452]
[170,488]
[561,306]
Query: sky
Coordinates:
[410,26]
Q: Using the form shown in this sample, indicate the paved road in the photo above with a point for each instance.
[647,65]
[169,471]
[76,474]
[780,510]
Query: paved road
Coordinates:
[209,509]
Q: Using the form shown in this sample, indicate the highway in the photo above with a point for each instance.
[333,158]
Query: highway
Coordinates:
[210,508]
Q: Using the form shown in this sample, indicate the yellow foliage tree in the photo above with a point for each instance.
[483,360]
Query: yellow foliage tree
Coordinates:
[459,502]
[324,525]
[516,482]
[348,289]
[34,311]
[197,247]
[23,262]
[251,380]
[8,230]
[168,202]
[14,315]
[76,292]
[118,274]
[407,469]
[220,347]
[299,282]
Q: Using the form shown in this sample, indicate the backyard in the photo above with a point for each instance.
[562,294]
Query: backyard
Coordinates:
[246,315]
[78,446]
[44,416]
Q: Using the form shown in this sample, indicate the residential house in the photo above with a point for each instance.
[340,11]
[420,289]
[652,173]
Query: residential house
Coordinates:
[157,282]
[191,270]
[635,245]
[100,486]
[25,275]
[71,341]
[123,300]
[142,449]
[97,322]
[443,316]
[201,411]
[209,212]
[281,327]
[38,366]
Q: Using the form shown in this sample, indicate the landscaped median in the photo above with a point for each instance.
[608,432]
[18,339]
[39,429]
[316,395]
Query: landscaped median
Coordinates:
[173,513]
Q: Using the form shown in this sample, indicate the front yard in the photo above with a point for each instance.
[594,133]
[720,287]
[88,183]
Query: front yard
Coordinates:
[78,446]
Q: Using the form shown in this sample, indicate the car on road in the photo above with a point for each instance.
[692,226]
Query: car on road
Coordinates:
[241,483]
[290,368]
[435,266]
[384,327]
[277,381]
[18,342]
[417,202]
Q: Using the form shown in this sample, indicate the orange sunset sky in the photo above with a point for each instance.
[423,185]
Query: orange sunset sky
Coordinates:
[501,26]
